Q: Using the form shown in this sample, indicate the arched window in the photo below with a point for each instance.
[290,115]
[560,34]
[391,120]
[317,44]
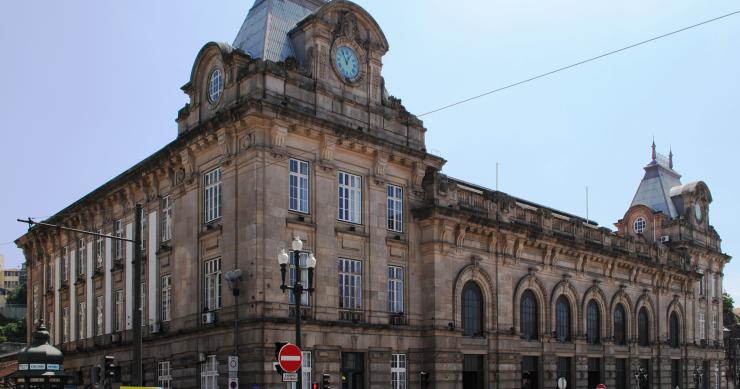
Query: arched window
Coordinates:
[643,325]
[593,323]
[528,316]
[620,329]
[562,318]
[472,309]
[675,331]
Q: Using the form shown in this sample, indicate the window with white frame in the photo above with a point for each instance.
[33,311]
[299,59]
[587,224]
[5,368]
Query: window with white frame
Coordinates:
[166,205]
[81,315]
[81,258]
[395,208]
[398,371]
[118,247]
[350,197]
[395,289]
[142,229]
[142,304]
[99,250]
[99,315]
[350,284]
[164,375]
[209,373]
[702,287]
[65,264]
[299,186]
[212,284]
[212,195]
[304,276]
[120,318]
[306,368]
[700,328]
[65,325]
[166,286]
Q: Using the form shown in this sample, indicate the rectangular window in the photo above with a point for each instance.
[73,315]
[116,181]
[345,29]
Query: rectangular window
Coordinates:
[675,373]
[621,373]
[166,205]
[702,287]
[99,250]
[65,325]
[398,371]
[304,276]
[99,315]
[700,327]
[164,376]
[564,368]
[395,208]
[711,285]
[350,284]
[299,186]
[142,304]
[306,369]
[166,297]
[49,272]
[142,230]
[209,373]
[714,326]
[212,195]
[118,247]
[395,289]
[350,197]
[120,318]
[65,265]
[212,284]
[81,259]
[81,312]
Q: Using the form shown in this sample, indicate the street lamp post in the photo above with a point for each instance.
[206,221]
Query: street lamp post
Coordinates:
[297,288]
[233,277]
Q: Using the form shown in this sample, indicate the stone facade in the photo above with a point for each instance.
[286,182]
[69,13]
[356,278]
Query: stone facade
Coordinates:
[467,255]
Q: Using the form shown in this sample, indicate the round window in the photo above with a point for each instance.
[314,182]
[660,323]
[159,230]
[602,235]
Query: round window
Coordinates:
[639,225]
[215,86]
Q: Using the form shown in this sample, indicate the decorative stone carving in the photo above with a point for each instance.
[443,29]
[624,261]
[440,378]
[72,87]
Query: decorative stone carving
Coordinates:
[224,143]
[245,142]
[381,163]
[278,133]
[328,143]
[419,171]
[347,27]
[186,159]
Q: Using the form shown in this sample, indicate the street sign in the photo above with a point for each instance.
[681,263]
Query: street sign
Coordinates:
[600,386]
[290,358]
[562,383]
[290,377]
[233,363]
[233,383]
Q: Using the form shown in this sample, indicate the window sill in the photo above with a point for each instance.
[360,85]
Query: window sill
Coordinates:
[211,226]
[352,229]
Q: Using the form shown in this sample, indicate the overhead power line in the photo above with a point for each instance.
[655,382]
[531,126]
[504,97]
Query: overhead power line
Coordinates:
[578,63]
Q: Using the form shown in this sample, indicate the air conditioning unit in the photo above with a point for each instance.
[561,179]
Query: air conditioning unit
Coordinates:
[208,318]
[155,328]
[665,239]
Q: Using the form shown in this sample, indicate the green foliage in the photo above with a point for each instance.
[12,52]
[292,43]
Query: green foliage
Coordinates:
[18,295]
[728,303]
[13,332]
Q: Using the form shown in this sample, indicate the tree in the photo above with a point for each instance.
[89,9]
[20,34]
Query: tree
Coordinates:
[18,295]
[728,306]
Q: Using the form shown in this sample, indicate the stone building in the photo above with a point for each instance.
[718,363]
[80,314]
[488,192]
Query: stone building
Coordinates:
[291,132]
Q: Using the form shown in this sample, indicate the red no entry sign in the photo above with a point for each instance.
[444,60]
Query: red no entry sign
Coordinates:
[600,386]
[290,358]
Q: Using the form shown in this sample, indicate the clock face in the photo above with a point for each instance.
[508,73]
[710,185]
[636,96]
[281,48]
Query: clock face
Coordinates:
[697,211]
[347,64]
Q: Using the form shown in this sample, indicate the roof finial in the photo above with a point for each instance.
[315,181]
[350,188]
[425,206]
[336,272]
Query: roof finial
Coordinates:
[670,158]
[654,156]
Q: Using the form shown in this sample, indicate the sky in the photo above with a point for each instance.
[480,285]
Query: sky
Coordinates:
[89,88]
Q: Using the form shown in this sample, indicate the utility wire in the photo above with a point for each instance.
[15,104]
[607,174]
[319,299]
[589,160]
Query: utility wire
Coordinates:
[578,63]
[308,152]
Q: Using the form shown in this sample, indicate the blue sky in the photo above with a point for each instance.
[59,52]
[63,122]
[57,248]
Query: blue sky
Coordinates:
[90,88]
